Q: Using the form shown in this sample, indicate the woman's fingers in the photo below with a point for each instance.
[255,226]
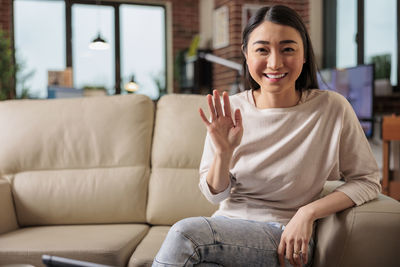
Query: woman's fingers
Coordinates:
[217,103]
[289,253]
[227,105]
[281,254]
[297,253]
[214,103]
[211,107]
[203,117]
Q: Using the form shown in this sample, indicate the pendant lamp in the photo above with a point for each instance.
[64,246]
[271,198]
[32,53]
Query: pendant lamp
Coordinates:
[99,43]
[131,86]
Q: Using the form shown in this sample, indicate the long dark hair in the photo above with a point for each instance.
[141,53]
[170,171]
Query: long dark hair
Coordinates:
[285,16]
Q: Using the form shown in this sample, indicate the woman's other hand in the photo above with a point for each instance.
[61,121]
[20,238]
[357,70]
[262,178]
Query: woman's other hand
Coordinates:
[225,132]
[295,239]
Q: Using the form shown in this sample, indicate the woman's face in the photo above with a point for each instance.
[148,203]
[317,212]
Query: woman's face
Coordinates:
[275,57]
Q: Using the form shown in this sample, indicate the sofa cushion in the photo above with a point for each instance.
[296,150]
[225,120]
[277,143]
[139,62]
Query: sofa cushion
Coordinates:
[75,154]
[75,133]
[174,195]
[100,195]
[178,142]
[179,133]
[106,244]
[148,248]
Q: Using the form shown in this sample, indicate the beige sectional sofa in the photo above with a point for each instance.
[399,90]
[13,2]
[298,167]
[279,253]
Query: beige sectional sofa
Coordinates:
[102,179]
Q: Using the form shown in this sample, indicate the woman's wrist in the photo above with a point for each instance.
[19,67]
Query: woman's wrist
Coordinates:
[308,213]
[218,178]
[224,156]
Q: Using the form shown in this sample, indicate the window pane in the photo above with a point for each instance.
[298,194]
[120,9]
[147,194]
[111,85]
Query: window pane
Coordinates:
[39,45]
[143,47]
[94,68]
[381,32]
[346,46]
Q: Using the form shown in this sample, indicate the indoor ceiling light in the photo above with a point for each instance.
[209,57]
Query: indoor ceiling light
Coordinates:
[99,43]
[132,86]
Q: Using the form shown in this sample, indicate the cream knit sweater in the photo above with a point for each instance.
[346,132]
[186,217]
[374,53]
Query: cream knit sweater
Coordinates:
[287,154]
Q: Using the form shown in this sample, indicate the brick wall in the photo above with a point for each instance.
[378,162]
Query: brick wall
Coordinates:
[185,25]
[5,15]
[223,77]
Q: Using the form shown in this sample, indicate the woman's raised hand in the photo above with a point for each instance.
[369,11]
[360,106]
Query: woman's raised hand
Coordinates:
[225,132]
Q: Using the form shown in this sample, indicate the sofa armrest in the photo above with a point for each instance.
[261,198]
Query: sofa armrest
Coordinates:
[367,235]
[8,219]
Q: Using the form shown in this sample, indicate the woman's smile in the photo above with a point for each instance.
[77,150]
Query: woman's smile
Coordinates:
[275,77]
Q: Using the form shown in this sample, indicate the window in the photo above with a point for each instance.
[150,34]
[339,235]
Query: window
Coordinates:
[136,34]
[346,31]
[380,37]
[39,45]
[355,31]
[142,32]
[93,68]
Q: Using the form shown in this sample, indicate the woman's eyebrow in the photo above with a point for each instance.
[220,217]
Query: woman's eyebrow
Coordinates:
[281,42]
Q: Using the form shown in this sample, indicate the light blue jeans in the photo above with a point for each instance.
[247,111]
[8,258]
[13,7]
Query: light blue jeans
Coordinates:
[220,241]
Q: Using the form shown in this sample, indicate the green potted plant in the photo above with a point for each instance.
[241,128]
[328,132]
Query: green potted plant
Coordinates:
[7,68]
[382,70]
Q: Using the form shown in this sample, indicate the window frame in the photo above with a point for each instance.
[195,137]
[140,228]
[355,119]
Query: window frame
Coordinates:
[115,5]
[329,36]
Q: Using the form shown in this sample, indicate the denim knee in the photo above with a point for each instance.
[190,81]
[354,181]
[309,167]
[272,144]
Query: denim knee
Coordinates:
[180,246]
[195,229]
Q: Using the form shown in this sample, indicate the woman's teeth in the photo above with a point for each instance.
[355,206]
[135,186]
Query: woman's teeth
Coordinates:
[277,76]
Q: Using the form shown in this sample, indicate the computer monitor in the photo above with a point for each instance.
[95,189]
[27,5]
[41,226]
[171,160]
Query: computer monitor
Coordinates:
[356,84]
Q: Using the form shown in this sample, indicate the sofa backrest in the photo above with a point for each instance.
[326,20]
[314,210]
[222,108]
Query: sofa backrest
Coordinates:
[74,161]
[178,141]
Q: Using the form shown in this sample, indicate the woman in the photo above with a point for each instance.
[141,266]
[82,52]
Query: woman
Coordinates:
[268,169]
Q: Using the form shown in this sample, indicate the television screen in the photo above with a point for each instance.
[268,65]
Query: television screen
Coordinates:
[356,84]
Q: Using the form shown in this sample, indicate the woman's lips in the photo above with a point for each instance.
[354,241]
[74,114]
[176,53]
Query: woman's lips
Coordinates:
[274,77]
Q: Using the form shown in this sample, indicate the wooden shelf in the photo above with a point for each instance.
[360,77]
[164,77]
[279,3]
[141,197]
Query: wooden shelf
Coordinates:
[390,132]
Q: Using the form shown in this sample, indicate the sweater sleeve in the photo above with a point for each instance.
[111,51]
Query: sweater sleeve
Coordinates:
[357,164]
[206,160]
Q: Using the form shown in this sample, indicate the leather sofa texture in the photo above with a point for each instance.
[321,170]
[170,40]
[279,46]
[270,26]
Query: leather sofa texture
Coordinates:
[102,179]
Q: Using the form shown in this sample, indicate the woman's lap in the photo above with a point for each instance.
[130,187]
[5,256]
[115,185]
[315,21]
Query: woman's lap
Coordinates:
[220,241]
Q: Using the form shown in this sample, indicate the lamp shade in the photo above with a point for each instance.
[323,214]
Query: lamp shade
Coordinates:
[99,44]
[131,86]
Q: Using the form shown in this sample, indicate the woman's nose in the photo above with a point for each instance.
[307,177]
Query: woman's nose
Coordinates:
[274,61]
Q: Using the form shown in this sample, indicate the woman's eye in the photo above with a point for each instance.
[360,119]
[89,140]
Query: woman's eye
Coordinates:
[288,49]
[261,50]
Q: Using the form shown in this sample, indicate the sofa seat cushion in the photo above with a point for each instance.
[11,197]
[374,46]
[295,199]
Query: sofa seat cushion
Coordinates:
[148,248]
[111,244]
